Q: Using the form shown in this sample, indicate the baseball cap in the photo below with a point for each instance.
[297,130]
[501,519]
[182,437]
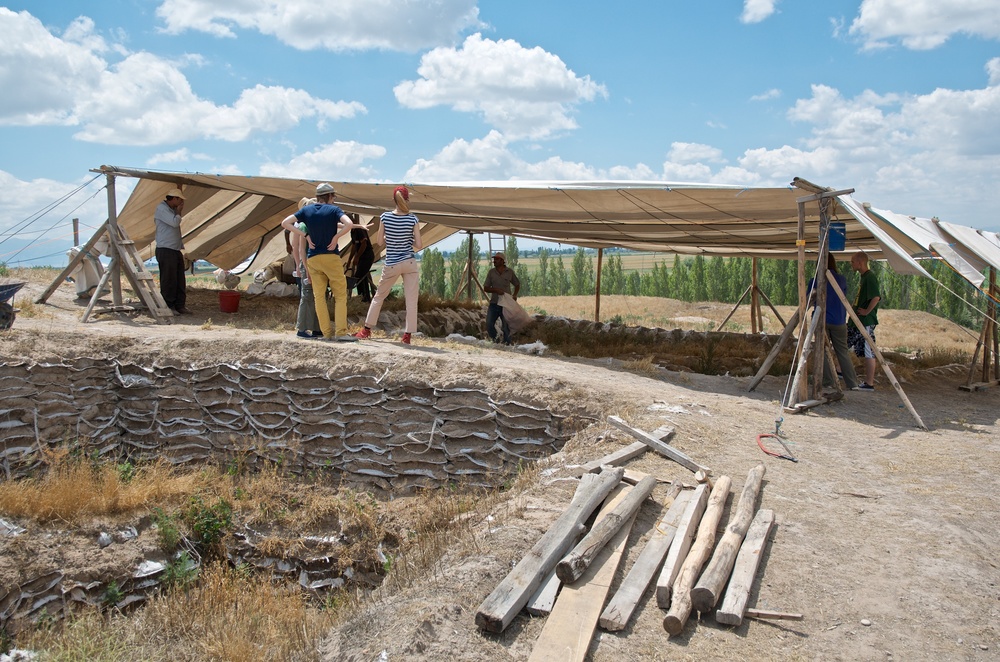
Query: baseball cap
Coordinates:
[501,256]
[324,189]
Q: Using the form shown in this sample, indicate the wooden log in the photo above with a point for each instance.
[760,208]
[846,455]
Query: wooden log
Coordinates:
[499,608]
[619,610]
[574,563]
[707,591]
[681,544]
[680,603]
[657,445]
[570,627]
[734,605]
[773,615]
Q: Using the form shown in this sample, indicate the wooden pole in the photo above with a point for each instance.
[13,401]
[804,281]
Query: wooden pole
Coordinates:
[115,266]
[773,355]
[734,605]
[755,316]
[679,548]
[597,289]
[76,232]
[878,355]
[659,446]
[800,243]
[680,605]
[706,592]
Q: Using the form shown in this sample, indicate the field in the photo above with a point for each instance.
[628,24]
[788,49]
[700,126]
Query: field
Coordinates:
[881,539]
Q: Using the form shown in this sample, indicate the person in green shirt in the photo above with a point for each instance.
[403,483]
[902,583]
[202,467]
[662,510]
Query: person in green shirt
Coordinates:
[866,306]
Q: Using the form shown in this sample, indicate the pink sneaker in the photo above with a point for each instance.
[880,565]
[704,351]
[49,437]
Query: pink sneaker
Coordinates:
[406,338]
[365,332]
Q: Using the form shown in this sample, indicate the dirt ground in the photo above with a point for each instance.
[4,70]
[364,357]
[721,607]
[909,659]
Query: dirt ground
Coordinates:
[886,538]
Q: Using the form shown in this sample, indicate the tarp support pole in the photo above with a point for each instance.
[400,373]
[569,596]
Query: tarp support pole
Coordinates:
[597,288]
[116,267]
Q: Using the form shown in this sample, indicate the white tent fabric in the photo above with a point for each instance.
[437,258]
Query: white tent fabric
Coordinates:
[934,242]
[229,219]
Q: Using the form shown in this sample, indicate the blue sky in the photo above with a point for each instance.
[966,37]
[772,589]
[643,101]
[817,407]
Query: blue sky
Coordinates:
[898,99]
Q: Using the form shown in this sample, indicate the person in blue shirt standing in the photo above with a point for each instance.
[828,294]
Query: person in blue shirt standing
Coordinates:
[836,328]
[326,224]
[400,233]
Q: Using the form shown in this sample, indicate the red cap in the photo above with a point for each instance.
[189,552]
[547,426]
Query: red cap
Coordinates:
[403,190]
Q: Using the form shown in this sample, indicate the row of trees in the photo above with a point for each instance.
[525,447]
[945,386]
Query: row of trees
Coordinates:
[695,279]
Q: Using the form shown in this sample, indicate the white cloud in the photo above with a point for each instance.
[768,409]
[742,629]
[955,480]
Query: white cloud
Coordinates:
[524,92]
[181,155]
[924,24]
[690,152]
[340,160]
[755,11]
[41,74]
[772,93]
[141,100]
[993,70]
[342,26]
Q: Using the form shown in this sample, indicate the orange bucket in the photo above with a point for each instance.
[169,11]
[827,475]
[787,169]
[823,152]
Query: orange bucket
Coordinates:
[229,301]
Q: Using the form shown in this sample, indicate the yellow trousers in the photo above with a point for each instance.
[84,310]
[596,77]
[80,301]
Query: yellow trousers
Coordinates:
[328,270]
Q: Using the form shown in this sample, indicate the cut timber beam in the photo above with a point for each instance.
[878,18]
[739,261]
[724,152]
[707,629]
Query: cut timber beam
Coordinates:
[618,612]
[512,594]
[680,604]
[657,445]
[570,627]
[707,591]
[679,548]
[734,605]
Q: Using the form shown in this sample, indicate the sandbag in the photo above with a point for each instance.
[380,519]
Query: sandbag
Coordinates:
[517,318]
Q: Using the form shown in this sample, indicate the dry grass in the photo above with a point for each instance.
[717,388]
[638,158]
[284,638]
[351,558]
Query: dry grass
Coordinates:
[225,616]
[73,489]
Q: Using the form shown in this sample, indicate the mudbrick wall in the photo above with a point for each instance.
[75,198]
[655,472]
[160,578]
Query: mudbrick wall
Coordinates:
[393,436]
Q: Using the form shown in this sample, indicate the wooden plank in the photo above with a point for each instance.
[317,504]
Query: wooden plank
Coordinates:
[657,445]
[680,603]
[619,610]
[570,627]
[617,458]
[773,615]
[512,594]
[572,566]
[544,598]
[734,605]
[632,451]
[708,590]
[686,531]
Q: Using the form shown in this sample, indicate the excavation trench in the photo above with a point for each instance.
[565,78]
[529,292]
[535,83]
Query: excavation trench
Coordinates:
[361,430]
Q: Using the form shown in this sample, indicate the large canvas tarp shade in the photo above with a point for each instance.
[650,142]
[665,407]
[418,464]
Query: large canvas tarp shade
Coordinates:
[229,218]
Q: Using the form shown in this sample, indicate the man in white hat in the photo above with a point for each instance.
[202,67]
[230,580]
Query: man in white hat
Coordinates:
[499,280]
[169,258]
[325,223]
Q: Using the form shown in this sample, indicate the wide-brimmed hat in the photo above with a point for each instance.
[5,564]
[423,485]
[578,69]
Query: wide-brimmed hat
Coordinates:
[175,193]
[501,256]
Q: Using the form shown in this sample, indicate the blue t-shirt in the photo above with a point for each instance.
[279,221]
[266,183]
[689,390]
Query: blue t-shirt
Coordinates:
[321,222]
[835,311]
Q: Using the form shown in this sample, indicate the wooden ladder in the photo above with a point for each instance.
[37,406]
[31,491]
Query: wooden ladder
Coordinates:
[132,265]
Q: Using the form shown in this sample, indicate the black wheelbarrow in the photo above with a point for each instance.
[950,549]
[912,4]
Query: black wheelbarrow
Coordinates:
[7,311]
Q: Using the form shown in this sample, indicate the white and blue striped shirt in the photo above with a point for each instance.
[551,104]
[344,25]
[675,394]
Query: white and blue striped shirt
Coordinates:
[398,236]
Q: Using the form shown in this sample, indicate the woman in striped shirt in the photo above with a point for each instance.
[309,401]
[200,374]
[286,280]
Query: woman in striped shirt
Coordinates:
[399,232]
